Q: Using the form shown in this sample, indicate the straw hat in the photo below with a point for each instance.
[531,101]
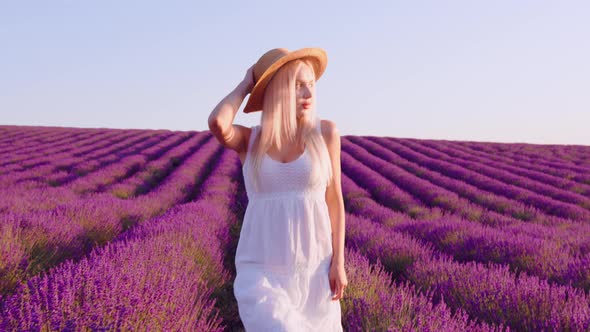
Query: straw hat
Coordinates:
[271,61]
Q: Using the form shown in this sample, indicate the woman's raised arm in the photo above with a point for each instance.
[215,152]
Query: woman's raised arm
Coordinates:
[221,119]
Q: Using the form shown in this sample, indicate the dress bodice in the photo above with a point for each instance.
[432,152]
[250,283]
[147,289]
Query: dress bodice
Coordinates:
[277,177]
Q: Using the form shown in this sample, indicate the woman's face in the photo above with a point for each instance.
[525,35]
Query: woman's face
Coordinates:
[305,88]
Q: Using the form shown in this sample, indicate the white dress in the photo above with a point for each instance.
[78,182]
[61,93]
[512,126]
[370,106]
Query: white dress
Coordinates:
[284,251]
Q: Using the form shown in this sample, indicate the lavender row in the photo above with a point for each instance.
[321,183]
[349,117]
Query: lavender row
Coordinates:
[28,144]
[100,217]
[216,196]
[27,152]
[573,236]
[80,164]
[503,183]
[27,197]
[61,169]
[12,132]
[372,302]
[151,255]
[12,139]
[516,159]
[18,165]
[78,169]
[525,169]
[532,151]
[466,241]
[384,186]
[572,154]
[164,281]
[155,170]
[446,175]
[571,240]
[37,240]
[556,165]
[27,161]
[390,194]
[9,133]
[522,174]
[487,292]
[91,175]
[182,184]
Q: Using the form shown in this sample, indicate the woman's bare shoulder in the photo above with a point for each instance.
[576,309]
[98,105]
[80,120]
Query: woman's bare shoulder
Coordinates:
[329,129]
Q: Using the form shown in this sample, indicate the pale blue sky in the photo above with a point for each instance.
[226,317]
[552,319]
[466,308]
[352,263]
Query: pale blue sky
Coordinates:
[494,71]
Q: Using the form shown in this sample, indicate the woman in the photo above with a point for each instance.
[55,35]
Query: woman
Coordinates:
[290,255]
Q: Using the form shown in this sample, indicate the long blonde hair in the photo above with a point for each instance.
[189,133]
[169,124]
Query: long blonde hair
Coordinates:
[279,119]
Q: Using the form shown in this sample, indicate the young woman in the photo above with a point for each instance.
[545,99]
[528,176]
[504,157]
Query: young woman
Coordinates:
[290,254]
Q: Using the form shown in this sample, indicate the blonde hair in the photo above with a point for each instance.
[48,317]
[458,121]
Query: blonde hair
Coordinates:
[279,120]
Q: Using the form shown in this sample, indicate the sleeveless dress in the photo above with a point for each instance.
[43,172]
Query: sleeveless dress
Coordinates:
[284,250]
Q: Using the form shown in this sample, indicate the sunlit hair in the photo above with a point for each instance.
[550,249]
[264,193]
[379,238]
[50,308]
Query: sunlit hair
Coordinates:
[278,121]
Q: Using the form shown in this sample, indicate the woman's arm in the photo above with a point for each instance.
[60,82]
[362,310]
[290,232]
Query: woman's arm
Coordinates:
[337,274]
[222,117]
[334,197]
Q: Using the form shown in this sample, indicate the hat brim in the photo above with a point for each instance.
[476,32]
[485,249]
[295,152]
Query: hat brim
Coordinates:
[320,60]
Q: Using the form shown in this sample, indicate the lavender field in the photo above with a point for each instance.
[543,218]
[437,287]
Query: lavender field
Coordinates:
[110,229]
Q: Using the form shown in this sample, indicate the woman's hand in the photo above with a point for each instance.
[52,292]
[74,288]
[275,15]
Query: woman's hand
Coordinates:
[248,80]
[338,280]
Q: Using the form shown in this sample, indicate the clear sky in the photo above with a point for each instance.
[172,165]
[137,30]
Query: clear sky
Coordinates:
[493,71]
